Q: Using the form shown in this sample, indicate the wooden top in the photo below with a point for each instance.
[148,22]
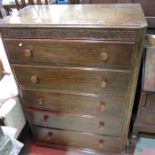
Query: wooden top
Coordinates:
[91,15]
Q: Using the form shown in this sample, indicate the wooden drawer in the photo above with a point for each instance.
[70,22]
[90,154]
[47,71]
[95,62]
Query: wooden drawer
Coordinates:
[147,116]
[107,125]
[149,102]
[78,140]
[74,103]
[73,80]
[70,53]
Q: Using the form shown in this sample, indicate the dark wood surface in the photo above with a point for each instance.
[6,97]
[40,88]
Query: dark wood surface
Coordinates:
[144,120]
[89,81]
[86,104]
[147,117]
[149,104]
[77,122]
[77,52]
[77,140]
[78,94]
[147,5]
[74,33]
[101,16]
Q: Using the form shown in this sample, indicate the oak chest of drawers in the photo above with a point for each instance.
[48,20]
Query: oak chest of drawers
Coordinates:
[77,68]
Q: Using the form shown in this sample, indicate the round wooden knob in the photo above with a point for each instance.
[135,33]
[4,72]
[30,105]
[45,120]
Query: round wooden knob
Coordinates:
[45,117]
[27,53]
[49,135]
[104,56]
[103,83]
[102,106]
[101,143]
[101,125]
[40,101]
[34,79]
[20,44]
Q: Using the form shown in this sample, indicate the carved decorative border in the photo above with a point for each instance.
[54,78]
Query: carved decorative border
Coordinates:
[71,33]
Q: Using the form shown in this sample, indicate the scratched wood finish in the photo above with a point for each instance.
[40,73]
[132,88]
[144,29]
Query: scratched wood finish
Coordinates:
[148,7]
[77,53]
[84,16]
[77,139]
[82,123]
[120,28]
[74,103]
[71,80]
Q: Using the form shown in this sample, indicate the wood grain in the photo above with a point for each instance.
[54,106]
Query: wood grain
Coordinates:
[71,80]
[77,53]
[104,125]
[74,103]
[77,139]
[62,72]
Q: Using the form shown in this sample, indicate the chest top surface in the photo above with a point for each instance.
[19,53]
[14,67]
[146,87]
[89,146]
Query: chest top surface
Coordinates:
[95,15]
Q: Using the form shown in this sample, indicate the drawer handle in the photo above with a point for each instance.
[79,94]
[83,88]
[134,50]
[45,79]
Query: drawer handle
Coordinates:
[102,106]
[40,101]
[45,118]
[104,56]
[104,83]
[101,143]
[27,53]
[101,125]
[20,44]
[49,135]
[34,79]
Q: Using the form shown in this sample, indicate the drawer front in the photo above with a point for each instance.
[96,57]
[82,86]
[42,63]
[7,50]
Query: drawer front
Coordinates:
[150,105]
[108,124]
[78,140]
[147,117]
[73,80]
[72,53]
[93,105]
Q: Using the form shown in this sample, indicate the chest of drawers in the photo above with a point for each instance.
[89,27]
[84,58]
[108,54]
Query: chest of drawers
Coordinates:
[77,67]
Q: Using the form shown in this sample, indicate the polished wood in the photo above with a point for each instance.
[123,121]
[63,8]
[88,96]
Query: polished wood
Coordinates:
[74,103]
[78,140]
[19,4]
[22,3]
[73,80]
[77,122]
[76,17]
[148,7]
[78,53]
[77,73]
